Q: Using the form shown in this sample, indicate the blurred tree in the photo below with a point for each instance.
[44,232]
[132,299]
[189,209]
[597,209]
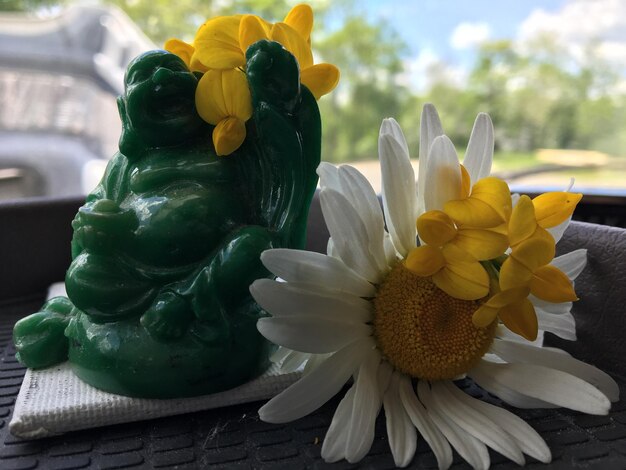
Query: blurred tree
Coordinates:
[369,57]
[367,53]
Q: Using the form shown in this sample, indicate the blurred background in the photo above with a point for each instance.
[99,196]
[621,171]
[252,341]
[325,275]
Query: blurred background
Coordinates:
[551,73]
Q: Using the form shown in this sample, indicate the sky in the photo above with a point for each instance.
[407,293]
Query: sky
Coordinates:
[449,31]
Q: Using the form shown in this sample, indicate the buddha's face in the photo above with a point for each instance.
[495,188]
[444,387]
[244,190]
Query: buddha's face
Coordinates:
[158,108]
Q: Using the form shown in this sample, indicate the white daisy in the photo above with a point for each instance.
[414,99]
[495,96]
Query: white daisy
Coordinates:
[404,330]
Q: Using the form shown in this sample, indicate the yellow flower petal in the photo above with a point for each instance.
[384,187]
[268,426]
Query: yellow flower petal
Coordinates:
[300,18]
[425,260]
[514,274]
[217,43]
[320,79]
[549,283]
[223,93]
[534,253]
[553,208]
[294,43]
[483,244]
[228,135]
[489,205]
[523,222]
[508,296]
[463,277]
[521,318]
[251,30]
[466,182]
[195,64]
[181,49]
[237,98]
[484,316]
[210,97]
[436,228]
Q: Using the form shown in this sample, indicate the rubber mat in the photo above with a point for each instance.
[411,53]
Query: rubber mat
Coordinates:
[235,438]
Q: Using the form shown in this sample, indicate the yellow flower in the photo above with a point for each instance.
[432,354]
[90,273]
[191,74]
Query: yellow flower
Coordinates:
[222,43]
[528,265]
[227,105]
[526,271]
[468,230]
[514,310]
[438,229]
[219,50]
[487,205]
[530,219]
[186,52]
[454,271]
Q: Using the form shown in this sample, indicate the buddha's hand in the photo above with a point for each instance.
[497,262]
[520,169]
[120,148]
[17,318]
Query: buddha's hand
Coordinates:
[39,338]
[168,317]
[286,143]
[203,303]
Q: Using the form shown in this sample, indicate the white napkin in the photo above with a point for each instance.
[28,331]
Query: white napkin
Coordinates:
[54,401]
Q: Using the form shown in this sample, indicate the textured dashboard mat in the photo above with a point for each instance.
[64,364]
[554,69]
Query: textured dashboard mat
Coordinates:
[234,438]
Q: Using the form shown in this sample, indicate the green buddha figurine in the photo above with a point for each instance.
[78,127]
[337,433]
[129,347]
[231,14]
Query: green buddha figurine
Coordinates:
[165,248]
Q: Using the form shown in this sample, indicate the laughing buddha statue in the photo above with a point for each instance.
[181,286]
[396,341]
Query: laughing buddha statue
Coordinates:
[165,248]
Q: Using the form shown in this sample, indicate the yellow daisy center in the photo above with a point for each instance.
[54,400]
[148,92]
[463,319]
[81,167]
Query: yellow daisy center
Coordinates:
[424,332]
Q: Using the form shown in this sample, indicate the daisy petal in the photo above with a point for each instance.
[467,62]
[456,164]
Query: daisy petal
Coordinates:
[390,126]
[317,387]
[367,402]
[479,154]
[550,385]
[293,362]
[279,355]
[314,361]
[362,196]
[329,176]
[420,419]
[284,299]
[521,353]
[443,174]
[398,188]
[528,440]
[483,377]
[558,230]
[334,446]
[430,128]
[385,370]
[316,269]
[348,232]
[475,423]
[312,334]
[468,447]
[564,325]
[551,307]
[401,432]
[572,263]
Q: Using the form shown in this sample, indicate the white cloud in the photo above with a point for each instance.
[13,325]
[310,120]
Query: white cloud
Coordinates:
[427,68]
[468,35]
[579,23]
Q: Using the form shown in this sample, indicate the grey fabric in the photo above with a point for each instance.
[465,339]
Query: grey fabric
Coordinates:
[601,311]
